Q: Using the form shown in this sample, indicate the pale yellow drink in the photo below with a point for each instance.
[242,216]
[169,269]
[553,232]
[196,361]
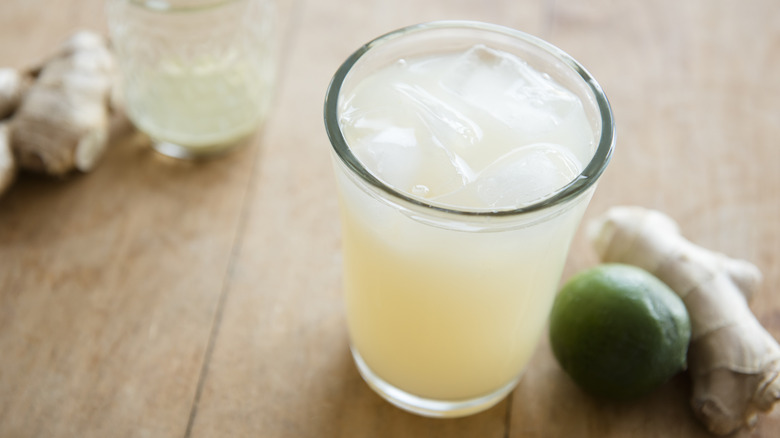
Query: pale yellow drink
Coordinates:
[203,105]
[446,296]
[197,76]
[449,317]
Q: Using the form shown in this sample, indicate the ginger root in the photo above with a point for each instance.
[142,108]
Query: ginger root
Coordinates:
[12,87]
[734,362]
[63,120]
[7,162]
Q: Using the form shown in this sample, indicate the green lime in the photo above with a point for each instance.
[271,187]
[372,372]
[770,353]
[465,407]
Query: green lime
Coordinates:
[618,331]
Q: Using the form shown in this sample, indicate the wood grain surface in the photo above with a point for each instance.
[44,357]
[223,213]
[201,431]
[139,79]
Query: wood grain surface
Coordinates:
[163,298]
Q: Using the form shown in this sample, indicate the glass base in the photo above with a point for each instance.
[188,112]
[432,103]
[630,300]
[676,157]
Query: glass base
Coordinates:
[428,407]
[194,152]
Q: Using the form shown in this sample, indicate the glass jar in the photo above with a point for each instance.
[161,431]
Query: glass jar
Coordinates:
[197,75]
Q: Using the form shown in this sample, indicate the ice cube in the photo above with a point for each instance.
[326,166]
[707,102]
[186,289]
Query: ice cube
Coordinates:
[527,174]
[521,177]
[510,91]
[443,132]
[394,155]
[391,154]
[446,123]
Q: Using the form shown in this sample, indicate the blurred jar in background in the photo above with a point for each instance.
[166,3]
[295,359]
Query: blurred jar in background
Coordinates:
[198,75]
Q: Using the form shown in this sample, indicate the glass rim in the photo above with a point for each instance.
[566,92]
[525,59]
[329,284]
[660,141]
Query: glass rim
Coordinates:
[578,185]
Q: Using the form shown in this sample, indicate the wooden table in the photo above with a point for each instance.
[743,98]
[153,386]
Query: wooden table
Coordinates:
[162,298]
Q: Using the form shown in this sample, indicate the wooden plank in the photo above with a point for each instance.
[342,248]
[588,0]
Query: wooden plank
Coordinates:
[694,87]
[31,30]
[108,285]
[160,298]
[108,281]
[281,365]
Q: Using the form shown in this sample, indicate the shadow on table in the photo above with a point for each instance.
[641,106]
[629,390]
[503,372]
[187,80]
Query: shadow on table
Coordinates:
[347,408]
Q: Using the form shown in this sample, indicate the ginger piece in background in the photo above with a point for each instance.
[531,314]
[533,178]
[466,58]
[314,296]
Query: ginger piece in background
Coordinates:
[12,87]
[733,361]
[63,120]
[7,162]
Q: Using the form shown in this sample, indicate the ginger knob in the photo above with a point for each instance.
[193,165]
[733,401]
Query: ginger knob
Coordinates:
[63,120]
[734,362]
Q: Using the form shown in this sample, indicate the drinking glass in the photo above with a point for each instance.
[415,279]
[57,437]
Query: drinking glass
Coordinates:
[446,304]
[197,75]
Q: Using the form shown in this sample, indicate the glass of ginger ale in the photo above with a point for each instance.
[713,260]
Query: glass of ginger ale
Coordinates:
[465,155]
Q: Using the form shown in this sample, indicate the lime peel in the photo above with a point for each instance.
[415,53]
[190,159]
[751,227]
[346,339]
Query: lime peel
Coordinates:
[618,331]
